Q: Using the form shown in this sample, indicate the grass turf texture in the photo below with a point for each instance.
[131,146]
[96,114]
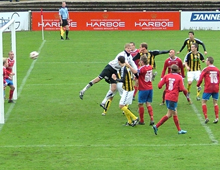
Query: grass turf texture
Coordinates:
[49,127]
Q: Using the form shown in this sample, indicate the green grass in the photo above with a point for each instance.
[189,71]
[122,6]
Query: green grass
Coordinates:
[50,128]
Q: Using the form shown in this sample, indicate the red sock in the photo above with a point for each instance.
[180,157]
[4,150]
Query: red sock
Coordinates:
[216,111]
[11,94]
[135,90]
[204,110]
[162,120]
[141,114]
[176,121]
[150,111]
[163,97]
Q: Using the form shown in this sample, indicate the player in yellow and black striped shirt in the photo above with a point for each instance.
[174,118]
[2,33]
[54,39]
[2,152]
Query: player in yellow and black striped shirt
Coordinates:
[128,90]
[189,41]
[192,63]
[150,54]
[127,79]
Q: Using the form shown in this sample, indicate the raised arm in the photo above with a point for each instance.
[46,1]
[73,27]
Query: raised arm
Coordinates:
[138,56]
[157,52]
[184,44]
[198,41]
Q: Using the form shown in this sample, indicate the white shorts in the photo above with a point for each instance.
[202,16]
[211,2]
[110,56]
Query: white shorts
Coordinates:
[119,88]
[193,75]
[126,98]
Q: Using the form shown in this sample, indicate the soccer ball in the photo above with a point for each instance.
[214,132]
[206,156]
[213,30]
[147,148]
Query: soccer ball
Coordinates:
[34,55]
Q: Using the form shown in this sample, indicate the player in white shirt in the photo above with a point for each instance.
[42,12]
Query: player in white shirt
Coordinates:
[111,68]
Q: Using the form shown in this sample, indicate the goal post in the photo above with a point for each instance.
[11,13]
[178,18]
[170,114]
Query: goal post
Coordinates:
[11,26]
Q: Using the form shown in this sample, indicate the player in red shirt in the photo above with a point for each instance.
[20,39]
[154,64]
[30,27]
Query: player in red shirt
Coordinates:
[174,84]
[211,76]
[11,61]
[145,89]
[134,51]
[151,55]
[7,71]
[167,65]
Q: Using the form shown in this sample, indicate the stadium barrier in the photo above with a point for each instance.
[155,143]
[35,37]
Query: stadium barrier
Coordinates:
[193,20]
[110,20]
[22,20]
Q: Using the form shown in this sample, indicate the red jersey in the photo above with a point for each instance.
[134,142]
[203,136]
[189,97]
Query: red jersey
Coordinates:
[6,73]
[174,84]
[145,77]
[169,62]
[10,65]
[211,78]
[133,54]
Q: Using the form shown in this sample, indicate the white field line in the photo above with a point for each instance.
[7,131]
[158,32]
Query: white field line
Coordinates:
[104,146]
[87,62]
[7,114]
[73,62]
[62,84]
[208,130]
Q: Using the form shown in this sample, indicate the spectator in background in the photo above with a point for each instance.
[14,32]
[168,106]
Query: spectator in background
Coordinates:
[16,0]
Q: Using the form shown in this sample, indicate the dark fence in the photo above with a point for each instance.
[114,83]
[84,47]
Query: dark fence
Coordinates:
[113,6]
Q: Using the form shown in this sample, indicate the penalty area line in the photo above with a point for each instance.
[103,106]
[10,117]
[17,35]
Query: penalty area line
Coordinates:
[7,114]
[208,130]
[104,146]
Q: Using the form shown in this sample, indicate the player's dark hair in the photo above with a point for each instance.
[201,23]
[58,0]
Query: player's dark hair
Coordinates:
[144,59]
[121,59]
[191,32]
[132,43]
[4,60]
[174,68]
[195,44]
[210,59]
[144,45]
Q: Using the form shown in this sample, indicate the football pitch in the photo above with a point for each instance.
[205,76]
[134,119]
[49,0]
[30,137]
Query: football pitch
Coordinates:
[50,127]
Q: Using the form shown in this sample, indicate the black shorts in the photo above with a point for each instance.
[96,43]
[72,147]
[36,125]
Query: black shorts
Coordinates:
[65,22]
[107,74]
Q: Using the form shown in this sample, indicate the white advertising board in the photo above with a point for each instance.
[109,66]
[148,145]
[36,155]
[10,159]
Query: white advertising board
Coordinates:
[22,20]
[204,20]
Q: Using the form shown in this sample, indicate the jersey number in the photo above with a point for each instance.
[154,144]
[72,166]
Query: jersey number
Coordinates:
[148,76]
[213,77]
[171,82]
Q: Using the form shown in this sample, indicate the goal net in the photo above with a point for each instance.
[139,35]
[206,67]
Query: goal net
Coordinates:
[7,43]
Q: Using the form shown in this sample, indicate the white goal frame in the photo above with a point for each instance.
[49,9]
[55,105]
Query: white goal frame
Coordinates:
[11,26]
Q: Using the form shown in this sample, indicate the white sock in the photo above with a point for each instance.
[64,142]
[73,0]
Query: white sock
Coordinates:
[108,96]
